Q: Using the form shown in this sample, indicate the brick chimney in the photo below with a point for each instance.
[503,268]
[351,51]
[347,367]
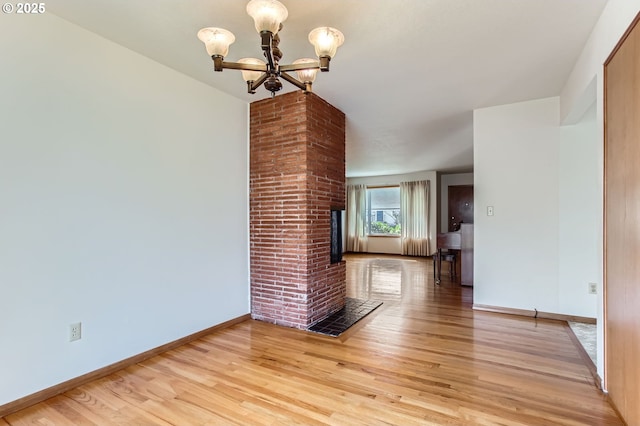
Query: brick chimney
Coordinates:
[297,176]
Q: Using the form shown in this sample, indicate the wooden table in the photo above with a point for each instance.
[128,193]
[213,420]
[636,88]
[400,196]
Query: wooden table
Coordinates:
[462,242]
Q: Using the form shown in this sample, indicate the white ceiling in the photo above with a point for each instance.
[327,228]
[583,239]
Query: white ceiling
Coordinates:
[408,76]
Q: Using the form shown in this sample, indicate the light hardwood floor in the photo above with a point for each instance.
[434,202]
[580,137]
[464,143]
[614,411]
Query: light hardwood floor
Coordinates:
[424,357]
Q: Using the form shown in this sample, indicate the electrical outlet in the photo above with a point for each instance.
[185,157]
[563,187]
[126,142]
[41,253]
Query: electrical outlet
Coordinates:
[593,288]
[75,331]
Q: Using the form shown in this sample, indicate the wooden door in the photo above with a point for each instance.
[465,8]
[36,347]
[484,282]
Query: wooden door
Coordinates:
[622,226]
[460,206]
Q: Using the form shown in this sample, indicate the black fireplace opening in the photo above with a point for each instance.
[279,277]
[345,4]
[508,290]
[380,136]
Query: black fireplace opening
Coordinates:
[336,235]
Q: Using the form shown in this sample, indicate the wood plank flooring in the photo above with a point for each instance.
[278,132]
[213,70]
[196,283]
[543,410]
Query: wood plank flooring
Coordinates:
[423,358]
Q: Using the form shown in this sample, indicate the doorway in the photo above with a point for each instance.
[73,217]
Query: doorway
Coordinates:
[460,209]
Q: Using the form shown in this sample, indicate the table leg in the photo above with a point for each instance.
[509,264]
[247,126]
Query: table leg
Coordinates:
[439,262]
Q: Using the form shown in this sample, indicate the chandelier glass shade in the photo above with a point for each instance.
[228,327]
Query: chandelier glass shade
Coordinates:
[306,75]
[251,75]
[217,40]
[326,40]
[268,16]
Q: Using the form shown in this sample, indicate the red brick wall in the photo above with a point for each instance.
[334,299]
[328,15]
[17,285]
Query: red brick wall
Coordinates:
[297,175]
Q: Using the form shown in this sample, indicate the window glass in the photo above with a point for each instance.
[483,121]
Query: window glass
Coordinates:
[383,210]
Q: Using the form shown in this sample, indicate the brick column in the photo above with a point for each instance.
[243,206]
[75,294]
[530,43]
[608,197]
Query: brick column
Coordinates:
[297,175]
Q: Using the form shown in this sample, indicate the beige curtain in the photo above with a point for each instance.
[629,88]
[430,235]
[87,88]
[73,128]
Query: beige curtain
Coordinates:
[356,218]
[414,216]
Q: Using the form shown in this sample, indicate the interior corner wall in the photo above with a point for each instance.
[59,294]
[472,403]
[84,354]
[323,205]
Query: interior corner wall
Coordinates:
[539,250]
[124,204]
[516,172]
[575,98]
[584,86]
[447,180]
[392,245]
[579,217]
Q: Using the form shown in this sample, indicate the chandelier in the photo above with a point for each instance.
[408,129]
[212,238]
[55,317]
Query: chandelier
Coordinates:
[268,16]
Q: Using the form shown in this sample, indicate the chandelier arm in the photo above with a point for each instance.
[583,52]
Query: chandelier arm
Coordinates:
[253,85]
[324,63]
[244,67]
[266,44]
[300,67]
[217,62]
[306,87]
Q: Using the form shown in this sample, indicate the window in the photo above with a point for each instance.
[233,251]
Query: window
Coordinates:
[383,210]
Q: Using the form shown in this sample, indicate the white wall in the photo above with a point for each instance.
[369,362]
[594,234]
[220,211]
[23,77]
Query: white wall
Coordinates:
[516,172]
[584,86]
[392,245]
[540,249]
[123,201]
[580,212]
[445,182]
[541,179]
